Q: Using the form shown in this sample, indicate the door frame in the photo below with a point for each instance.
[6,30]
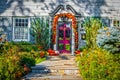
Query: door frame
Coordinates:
[74,39]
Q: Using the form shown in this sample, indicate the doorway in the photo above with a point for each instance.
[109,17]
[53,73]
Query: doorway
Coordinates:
[64,38]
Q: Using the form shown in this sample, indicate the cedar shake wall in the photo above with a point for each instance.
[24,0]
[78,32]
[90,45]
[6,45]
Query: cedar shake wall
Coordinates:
[6,27]
[105,8]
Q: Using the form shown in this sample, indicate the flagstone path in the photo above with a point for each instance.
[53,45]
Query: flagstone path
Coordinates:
[61,67]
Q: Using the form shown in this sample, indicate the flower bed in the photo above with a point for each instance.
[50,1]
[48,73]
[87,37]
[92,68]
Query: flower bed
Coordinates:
[99,64]
[14,63]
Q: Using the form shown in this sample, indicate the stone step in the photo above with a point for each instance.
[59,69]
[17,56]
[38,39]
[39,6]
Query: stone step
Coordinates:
[52,77]
[56,66]
[60,71]
[61,67]
[57,58]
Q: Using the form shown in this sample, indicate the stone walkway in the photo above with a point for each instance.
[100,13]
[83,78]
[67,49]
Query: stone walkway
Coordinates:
[61,67]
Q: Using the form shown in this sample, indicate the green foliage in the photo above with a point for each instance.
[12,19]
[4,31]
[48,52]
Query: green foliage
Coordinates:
[1,48]
[25,46]
[27,59]
[91,26]
[21,43]
[109,39]
[38,60]
[99,64]
[12,61]
[40,29]
[7,46]
[83,47]
[9,63]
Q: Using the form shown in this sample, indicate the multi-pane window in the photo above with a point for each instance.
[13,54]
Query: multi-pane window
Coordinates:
[21,29]
[116,23]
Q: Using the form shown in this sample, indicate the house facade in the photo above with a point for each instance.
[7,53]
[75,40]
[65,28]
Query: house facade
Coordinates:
[65,19]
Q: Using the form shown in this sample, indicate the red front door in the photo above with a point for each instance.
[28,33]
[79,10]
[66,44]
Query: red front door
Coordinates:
[64,39]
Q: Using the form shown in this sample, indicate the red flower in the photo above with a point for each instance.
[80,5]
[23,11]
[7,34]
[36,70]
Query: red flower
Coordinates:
[77,52]
[52,52]
[42,54]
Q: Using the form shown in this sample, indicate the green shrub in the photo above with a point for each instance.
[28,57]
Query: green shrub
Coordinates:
[1,48]
[27,59]
[6,47]
[91,26]
[40,30]
[109,39]
[12,61]
[83,47]
[25,46]
[9,64]
[21,43]
[99,65]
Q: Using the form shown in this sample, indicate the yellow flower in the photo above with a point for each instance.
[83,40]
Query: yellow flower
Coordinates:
[108,33]
[106,28]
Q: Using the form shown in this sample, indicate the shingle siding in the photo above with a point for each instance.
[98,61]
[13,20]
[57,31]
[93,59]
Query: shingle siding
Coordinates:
[44,7]
[10,8]
[6,26]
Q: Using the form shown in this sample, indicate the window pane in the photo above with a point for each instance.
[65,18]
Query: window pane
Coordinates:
[67,33]
[61,46]
[16,20]
[19,24]
[117,23]
[114,23]
[61,33]
[26,20]
[26,24]
[22,24]
[16,24]
[22,20]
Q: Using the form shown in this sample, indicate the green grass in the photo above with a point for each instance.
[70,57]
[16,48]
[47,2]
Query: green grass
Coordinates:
[39,60]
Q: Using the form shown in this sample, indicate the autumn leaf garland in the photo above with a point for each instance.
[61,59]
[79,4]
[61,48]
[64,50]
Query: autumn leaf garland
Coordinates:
[55,21]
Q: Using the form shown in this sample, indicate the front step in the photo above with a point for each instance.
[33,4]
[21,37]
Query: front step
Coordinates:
[63,71]
[52,77]
[55,68]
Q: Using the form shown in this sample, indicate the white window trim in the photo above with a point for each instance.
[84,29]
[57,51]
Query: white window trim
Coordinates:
[13,37]
[112,21]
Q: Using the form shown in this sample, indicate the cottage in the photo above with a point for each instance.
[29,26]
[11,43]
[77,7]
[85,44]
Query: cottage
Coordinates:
[65,19]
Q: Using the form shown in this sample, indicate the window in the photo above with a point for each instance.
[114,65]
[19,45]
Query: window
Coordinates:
[21,29]
[116,23]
